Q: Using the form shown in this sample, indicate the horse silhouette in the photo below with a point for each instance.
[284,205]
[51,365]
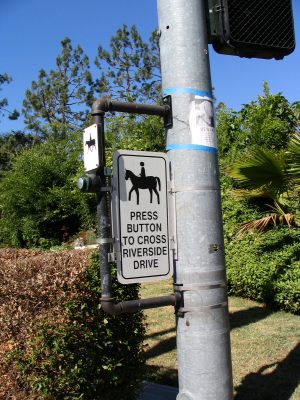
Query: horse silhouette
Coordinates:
[91,144]
[147,182]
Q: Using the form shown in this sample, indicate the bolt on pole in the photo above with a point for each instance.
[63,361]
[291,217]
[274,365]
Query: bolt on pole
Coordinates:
[203,336]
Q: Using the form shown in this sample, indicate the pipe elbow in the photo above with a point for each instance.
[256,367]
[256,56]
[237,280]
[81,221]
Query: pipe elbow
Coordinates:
[101,106]
[110,307]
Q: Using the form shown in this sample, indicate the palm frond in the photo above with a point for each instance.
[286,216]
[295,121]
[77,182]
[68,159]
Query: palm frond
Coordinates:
[262,171]
[276,217]
[283,217]
[258,225]
[293,156]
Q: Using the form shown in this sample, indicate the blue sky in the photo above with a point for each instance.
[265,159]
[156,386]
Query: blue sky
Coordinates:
[31,31]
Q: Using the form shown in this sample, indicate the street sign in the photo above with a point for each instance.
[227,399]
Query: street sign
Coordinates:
[91,148]
[141,225]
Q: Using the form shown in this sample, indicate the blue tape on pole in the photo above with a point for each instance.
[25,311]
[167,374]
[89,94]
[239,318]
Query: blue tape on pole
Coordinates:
[187,90]
[191,147]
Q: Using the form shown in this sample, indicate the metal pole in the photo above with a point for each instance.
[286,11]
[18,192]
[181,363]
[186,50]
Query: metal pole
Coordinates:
[203,337]
[104,226]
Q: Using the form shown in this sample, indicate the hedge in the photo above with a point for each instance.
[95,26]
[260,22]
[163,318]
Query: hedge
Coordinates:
[263,267]
[80,353]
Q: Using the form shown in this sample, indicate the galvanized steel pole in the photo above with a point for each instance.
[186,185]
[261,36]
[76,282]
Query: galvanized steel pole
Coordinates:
[203,338]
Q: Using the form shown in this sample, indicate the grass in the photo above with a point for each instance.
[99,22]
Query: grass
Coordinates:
[265,347]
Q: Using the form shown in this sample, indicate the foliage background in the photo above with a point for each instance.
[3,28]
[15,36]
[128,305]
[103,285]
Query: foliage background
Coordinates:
[74,350]
[263,267]
[40,203]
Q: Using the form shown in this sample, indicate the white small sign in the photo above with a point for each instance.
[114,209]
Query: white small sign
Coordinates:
[91,148]
[141,216]
[202,121]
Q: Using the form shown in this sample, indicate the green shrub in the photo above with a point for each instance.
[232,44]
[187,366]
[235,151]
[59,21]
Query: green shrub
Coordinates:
[40,205]
[265,267]
[287,289]
[262,267]
[88,355]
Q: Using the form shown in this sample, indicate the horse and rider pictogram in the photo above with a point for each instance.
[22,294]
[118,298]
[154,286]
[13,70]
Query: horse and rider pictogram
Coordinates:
[91,144]
[143,182]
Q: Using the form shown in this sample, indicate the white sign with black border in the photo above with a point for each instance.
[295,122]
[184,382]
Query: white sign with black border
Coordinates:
[91,148]
[141,217]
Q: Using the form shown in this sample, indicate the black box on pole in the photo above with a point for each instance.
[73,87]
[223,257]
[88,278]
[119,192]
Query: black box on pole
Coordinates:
[251,28]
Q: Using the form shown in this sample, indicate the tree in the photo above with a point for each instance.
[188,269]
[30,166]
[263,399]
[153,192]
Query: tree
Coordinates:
[57,102]
[296,110]
[269,121]
[143,134]
[4,78]
[231,140]
[39,202]
[130,71]
[10,145]
[266,123]
[257,146]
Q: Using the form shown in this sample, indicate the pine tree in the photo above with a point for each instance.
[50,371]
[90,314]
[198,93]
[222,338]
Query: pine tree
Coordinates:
[10,145]
[56,104]
[130,71]
[4,78]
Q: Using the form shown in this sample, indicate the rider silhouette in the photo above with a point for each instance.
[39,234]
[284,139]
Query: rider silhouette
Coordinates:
[142,182]
[143,172]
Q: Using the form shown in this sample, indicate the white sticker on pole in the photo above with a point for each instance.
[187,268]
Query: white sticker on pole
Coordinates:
[202,121]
